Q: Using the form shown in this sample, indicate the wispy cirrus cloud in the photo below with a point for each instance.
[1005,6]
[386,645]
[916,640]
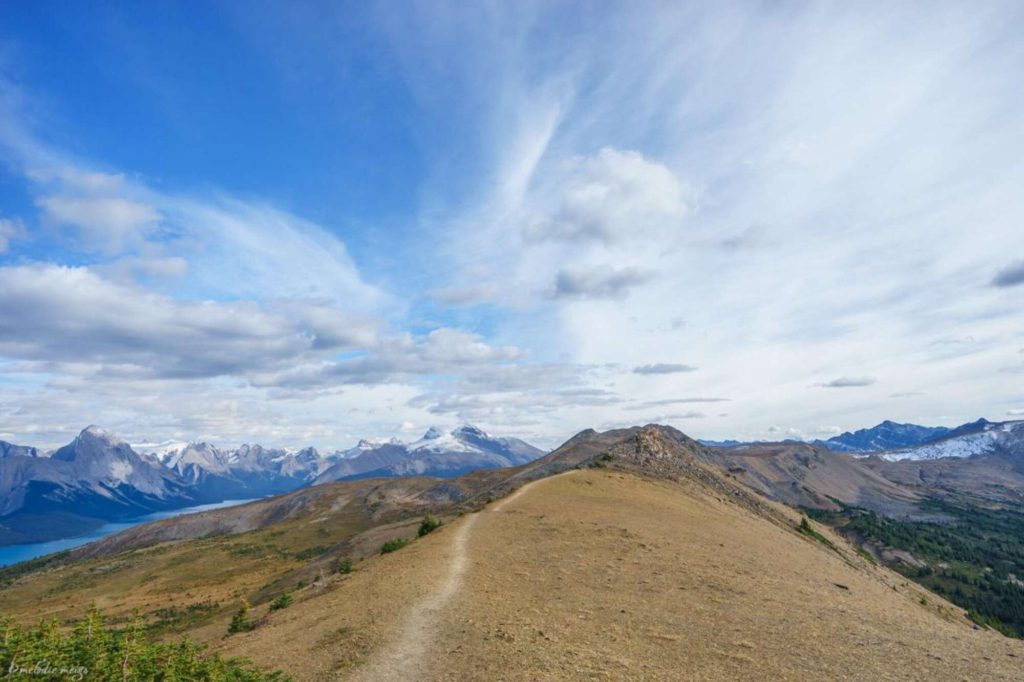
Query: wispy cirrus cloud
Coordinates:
[10,229]
[663,368]
[647,404]
[848,382]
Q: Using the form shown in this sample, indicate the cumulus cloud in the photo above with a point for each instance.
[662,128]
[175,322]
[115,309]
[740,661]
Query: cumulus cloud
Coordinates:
[70,314]
[599,282]
[1010,276]
[612,196]
[664,368]
[443,351]
[60,313]
[848,382]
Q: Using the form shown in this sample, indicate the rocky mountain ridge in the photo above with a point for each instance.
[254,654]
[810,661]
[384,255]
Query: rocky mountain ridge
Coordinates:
[99,477]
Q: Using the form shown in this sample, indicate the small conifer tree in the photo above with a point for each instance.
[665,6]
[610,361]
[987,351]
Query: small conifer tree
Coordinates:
[240,621]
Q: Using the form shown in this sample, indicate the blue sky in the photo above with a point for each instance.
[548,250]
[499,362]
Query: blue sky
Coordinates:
[309,222]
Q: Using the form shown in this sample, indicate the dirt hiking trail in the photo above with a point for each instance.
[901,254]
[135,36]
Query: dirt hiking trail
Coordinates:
[405,657]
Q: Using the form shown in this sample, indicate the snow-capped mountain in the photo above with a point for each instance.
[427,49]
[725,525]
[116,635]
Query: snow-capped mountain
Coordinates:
[162,451]
[247,471]
[977,438]
[100,477]
[95,477]
[437,453]
[888,435]
[365,445]
[98,456]
[12,450]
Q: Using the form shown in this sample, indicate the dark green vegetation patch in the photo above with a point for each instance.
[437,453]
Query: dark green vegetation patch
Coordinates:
[429,525]
[393,545]
[976,560]
[92,650]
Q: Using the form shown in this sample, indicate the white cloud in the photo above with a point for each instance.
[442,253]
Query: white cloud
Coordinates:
[598,282]
[807,205]
[613,196]
[399,359]
[108,223]
[133,267]
[471,294]
[63,314]
[848,382]
[663,368]
[10,229]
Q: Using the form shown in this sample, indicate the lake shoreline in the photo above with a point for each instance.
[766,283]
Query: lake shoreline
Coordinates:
[11,555]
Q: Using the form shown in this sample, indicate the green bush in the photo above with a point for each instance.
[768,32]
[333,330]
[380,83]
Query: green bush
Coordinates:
[429,525]
[283,601]
[805,529]
[344,566]
[310,553]
[240,621]
[91,650]
[393,545]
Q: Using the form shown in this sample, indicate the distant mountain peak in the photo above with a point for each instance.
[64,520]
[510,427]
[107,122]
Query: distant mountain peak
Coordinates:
[437,453]
[99,433]
[888,435]
[470,430]
[433,433]
[979,437]
[370,443]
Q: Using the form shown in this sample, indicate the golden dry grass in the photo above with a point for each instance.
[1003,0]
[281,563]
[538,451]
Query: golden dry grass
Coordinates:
[176,574]
[604,575]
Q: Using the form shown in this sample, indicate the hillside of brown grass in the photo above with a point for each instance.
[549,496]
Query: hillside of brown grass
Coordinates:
[602,574]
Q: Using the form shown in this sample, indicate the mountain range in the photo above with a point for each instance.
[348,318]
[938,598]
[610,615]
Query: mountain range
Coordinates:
[980,458]
[672,553]
[99,477]
[885,436]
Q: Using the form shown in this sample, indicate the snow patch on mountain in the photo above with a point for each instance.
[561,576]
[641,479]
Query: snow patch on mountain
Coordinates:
[437,453]
[976,439]
[161,451]
[888,435]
